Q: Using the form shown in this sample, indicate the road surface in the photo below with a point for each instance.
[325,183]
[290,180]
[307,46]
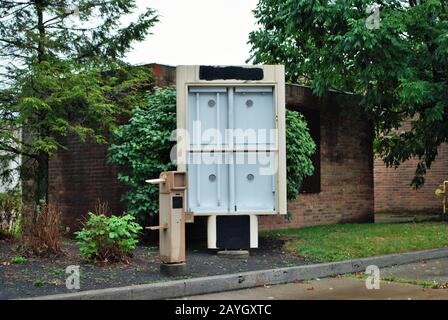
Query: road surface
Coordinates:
[350,287]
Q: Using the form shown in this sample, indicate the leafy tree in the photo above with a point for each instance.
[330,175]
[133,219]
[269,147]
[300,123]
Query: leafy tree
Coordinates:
[56,78]
[143,146]
[398,71]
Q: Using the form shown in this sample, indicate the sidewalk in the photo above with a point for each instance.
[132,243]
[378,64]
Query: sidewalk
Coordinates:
[340,288]
[348,287]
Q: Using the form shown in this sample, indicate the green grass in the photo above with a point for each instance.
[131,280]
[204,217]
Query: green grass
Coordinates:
[422,283]
[348,241]
[390,278]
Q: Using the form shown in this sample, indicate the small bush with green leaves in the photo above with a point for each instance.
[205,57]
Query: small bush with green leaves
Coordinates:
[108,239]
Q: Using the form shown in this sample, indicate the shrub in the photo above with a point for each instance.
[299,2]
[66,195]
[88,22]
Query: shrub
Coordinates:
[299,149]
[10,213]
[108,239]
[143,148]
[41,234]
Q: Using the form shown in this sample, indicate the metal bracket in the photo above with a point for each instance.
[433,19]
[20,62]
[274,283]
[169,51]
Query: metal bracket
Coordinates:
[162,227]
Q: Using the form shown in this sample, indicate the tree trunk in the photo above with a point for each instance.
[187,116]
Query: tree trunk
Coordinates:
[42,178]
[41,29]
[42,158]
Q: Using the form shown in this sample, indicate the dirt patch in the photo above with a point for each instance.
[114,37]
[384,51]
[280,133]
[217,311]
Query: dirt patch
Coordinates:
[44,276]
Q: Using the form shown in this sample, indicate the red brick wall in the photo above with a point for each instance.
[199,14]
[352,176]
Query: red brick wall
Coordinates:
[346,165]
[393,192]
[79,177]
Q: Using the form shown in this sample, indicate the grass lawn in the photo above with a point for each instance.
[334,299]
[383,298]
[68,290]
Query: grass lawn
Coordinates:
[347,241]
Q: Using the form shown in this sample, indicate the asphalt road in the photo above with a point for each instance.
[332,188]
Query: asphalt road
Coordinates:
[349,287]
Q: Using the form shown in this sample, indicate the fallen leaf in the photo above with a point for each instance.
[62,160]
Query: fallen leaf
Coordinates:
[56,282]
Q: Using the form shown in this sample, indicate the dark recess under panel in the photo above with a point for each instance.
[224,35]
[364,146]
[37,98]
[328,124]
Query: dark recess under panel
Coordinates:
[233,232]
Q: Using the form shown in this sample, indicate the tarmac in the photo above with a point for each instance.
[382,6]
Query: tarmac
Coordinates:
[352,288]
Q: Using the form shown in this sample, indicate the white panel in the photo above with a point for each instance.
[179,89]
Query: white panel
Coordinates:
[211,232]
[208,116]
[208,181]
[254,183]
[254,89]
[254,115]
[253,231]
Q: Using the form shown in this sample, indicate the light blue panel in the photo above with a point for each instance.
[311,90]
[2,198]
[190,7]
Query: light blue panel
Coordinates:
[231,181]
[208,182]
[254,110]
[209,107]
[254,181]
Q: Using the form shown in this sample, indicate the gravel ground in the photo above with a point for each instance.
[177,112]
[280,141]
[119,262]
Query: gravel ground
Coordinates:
[44,276]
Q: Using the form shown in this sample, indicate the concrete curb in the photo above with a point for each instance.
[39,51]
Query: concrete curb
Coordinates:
[227,282]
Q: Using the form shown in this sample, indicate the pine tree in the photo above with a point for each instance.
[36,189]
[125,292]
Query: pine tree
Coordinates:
[62,72]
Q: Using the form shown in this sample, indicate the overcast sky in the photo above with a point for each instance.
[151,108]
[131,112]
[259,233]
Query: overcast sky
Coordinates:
[197,32]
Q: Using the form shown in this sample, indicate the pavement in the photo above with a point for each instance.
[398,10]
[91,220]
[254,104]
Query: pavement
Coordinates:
[431,270]
[352,288]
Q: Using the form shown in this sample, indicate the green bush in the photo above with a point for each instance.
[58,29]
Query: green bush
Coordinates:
[142,147]
[108,239]
[300,147]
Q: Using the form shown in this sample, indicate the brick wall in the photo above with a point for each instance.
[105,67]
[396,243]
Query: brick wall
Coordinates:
[79,177]
[393,192]
[346,165]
